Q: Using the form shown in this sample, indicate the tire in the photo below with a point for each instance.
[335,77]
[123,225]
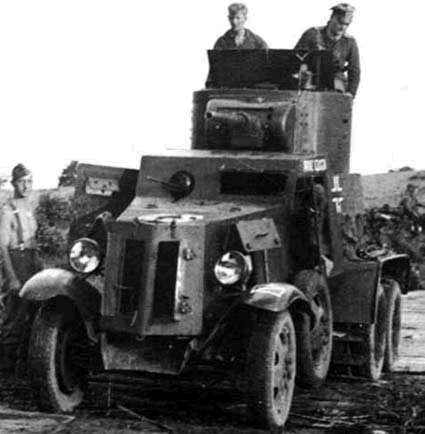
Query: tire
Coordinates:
[393,324]
[314,346]
[58,359]
[375,339]
[271,369]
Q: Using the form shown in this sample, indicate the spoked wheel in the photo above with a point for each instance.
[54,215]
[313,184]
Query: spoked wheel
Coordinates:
[271,367]
[59,355]
[314,345]
[392,324]
[374,342]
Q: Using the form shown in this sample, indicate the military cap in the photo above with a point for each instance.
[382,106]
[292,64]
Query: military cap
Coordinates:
[19,171]
[411,186]
[343,9]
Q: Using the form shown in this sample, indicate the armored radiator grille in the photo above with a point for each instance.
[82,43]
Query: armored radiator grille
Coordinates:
[165,280]
[131,273]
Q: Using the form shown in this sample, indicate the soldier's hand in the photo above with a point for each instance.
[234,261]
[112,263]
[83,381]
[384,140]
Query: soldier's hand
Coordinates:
[2,301]
[15,285]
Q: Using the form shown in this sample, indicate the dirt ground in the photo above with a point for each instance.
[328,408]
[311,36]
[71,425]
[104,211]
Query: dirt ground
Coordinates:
[119,405]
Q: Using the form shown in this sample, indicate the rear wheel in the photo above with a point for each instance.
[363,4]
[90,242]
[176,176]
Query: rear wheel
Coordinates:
[375,339]
[314,345]
[59,355]
[392,324]
[271,367]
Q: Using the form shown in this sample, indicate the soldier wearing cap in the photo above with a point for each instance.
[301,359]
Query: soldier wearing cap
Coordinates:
[239,37]
[333,37]
[20,261]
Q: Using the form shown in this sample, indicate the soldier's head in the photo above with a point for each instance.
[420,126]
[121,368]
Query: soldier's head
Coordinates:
[237,16]
[411,188]
[21,181]
[342,15]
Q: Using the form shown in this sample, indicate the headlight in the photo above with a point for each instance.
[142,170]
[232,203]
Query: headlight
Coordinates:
[84,255]
[233,267]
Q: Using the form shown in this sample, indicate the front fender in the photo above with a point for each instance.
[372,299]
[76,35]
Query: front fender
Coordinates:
[54,282]
[277,297]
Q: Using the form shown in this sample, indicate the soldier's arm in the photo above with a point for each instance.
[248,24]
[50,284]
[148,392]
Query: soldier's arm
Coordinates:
[5,228]
[219,44]
[307,40]
[261,43]
[353,68]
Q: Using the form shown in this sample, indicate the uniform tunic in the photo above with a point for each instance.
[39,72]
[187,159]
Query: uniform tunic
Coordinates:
[251,41]
[410,205]
[18,237]
[344,50]
[9,224]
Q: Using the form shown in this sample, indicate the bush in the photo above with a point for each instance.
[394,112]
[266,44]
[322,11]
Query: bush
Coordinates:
[53,215]
[69,175]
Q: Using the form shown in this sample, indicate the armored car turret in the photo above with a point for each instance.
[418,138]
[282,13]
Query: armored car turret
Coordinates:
[257,101]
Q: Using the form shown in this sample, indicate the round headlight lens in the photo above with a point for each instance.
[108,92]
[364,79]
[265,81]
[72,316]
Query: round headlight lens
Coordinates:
[232,268]
[84,255]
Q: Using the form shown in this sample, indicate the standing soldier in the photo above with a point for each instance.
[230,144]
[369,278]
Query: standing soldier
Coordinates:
[19,262]
[238,37]
[344,48]
[410,204]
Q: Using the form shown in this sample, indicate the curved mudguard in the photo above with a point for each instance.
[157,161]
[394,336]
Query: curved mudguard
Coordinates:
[353,291]
[54,282]
[277,297]
[396,267]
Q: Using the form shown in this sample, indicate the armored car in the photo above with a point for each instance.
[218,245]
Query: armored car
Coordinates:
[229,256]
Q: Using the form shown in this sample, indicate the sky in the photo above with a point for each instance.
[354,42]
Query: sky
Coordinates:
[104,82]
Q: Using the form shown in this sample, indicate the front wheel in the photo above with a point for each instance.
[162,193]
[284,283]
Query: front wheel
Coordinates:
[58,359]
[271,367]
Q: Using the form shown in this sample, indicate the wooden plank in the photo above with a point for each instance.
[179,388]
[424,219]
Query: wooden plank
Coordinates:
[16,421]
[412,343]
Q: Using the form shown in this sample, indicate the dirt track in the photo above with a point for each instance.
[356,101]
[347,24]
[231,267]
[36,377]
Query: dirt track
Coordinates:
[343,405]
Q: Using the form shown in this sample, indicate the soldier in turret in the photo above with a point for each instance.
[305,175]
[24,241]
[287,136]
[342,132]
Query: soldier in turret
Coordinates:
[239,37]
[19,262]
[344,48]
